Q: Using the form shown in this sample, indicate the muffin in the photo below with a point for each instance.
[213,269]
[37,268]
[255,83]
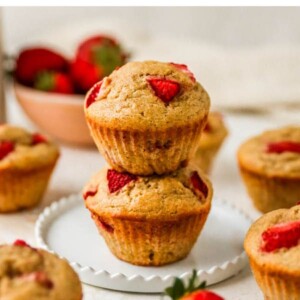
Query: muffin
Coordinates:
[270,167]
[26,163]
[27,273]
[273,246]
[151,220]
[212,138]
[146,117]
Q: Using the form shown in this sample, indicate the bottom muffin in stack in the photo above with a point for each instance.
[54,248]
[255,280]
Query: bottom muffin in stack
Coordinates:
[152,220]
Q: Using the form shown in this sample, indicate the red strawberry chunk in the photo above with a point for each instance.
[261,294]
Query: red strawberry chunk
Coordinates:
[207,127]
[284,146]
[93,94]
[202,295]
[104,225]
[198,184]
[284,235]
[31,61]
[184,69]
[84,75]
[6,147]
[37,138]
[20,243]
[117,181]
[92,191]
[39,277]
[164,89]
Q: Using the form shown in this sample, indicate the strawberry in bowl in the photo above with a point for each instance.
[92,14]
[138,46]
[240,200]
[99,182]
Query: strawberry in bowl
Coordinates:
[50,87]
[96,58]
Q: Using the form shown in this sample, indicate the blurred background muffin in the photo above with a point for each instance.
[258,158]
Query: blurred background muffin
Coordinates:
[29,273]
[211,141]
[26,163]
[270,167]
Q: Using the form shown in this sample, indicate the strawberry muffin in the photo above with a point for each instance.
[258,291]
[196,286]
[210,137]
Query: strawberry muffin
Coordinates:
[273,247]
[26,163]
[145,220]
[270,167]
[27,273]
[212,138]
[147,117]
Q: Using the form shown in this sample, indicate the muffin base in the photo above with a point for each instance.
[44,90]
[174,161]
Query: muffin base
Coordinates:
[276,285]
[270,193]
[151,242]
[147,152]
[22,189]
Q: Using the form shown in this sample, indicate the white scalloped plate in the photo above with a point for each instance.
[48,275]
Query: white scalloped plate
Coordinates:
[67,229]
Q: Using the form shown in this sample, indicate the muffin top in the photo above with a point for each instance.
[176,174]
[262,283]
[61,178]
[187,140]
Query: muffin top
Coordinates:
[274,240]
[147,95]
[20,149]
[27,273]
[214,132]
[184,192]
[273,153]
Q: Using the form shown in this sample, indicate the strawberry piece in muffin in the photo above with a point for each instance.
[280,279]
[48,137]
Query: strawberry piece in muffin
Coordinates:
[6,147]
[118,180]
[164,89]
[284,146]
[284,235]
[91,98]
[184,69]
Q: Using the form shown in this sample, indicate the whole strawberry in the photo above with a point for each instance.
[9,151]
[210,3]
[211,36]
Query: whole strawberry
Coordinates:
[84,74]
[32,61]
[54,82]
[96,58]
[190,292]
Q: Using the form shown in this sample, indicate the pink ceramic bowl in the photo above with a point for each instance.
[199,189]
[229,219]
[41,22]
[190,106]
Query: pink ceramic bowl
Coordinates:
[59,115]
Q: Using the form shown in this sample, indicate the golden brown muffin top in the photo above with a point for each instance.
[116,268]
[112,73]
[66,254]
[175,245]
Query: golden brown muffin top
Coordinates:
[20,149]
[165,197]
[264,153]
[33,274]
[214,132]
[128,98]
[282,259]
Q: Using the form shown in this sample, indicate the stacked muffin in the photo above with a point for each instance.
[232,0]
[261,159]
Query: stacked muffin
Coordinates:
[146,119]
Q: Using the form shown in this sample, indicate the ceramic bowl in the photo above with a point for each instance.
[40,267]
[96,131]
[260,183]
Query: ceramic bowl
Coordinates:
[59,115]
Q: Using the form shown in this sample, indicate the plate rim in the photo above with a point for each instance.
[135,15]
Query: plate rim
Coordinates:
[53,209]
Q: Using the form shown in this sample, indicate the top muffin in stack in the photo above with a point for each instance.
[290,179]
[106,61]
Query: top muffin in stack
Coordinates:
[146,117]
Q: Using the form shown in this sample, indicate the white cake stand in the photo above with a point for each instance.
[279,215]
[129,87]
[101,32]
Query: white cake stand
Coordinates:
[66,229]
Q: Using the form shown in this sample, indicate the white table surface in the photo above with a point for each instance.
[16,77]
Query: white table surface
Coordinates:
[76,165]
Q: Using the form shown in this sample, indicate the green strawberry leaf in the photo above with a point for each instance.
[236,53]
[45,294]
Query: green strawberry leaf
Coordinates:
[191,284]
[108,57]
[201,286]
[177,290]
